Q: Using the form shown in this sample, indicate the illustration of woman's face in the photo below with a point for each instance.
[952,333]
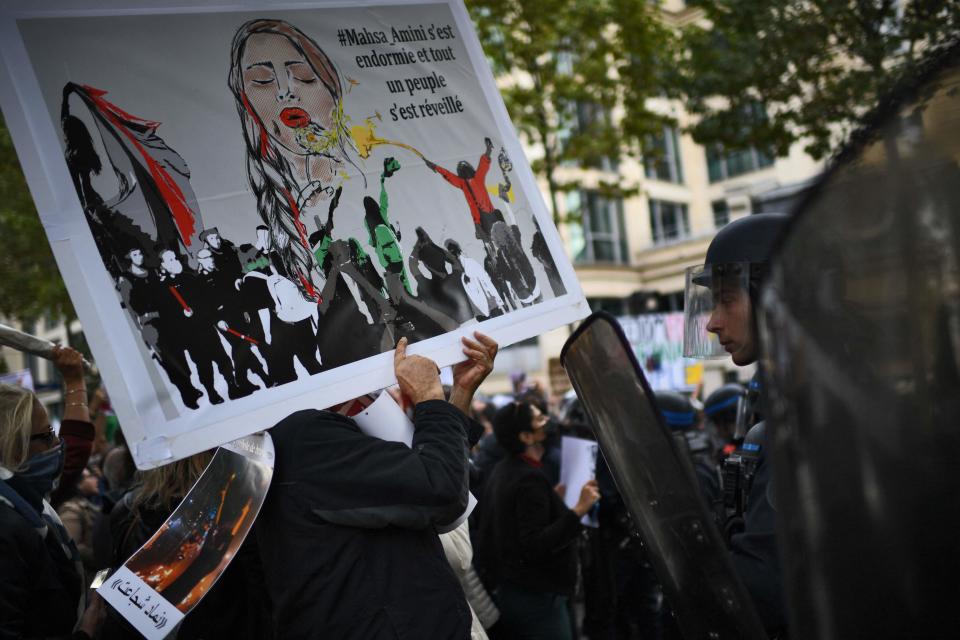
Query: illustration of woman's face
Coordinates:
[291,101]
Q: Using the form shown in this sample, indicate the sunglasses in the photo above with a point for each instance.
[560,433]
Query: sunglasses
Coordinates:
[50,437]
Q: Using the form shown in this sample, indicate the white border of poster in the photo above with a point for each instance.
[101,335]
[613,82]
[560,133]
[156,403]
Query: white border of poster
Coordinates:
[156,438]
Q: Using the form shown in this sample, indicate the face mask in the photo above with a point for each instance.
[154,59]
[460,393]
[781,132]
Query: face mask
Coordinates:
[552,428]
[42,471]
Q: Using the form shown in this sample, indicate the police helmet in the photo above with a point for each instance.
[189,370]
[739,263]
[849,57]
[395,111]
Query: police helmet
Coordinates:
[677,410]
[737,261]
[724,400]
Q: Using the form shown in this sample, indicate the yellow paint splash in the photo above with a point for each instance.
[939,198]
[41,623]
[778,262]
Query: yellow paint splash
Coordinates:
[365,138]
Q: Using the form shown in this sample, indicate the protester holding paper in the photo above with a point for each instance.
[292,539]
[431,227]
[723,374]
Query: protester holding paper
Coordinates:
[41,581]
[348,531]
[527,533]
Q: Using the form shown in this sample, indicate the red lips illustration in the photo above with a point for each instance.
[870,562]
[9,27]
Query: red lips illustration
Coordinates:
[294,117]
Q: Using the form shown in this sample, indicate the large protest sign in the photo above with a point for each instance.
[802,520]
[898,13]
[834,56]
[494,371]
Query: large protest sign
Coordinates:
[250,206]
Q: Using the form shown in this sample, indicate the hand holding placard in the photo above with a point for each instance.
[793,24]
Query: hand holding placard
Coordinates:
[418,377]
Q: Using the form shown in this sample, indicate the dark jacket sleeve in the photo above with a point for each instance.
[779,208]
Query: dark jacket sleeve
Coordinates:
[541,537]
[474,432]
[78,440]
[348,478]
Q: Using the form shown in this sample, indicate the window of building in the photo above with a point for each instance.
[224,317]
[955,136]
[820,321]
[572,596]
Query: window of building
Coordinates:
[613,306]
[580,119]
[661,159]
[722,165]
[604,237]
[591,115]
[721,213]
[668,221]
[671,301]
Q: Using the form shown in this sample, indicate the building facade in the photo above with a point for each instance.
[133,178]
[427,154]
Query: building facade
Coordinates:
[630,253]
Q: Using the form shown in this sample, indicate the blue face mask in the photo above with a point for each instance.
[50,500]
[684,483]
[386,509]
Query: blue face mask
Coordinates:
[42,471]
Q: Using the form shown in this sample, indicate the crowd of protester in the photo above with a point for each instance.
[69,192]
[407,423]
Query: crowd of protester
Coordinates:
[526,565]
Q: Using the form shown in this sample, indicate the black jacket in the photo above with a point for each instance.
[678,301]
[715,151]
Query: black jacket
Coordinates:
[754,552]
[347,531]
[527,533]
[39,584]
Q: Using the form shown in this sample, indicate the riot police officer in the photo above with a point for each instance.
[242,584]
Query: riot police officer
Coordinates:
[724,409]
[721,298]
[682,418]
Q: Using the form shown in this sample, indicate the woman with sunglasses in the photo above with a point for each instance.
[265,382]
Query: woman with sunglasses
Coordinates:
[527,533]
[41,581]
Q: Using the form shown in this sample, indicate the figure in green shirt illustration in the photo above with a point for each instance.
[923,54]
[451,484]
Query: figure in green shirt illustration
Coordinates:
[384,237]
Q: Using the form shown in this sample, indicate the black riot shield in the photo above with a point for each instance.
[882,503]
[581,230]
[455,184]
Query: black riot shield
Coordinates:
[861,338]
[657,486]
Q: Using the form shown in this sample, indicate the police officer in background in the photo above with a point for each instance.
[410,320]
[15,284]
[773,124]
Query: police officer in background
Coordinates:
[682,419]
[720,308]
[721,409]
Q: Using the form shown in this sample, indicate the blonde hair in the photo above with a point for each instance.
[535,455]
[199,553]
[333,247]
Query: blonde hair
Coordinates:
[163,487]
[16,423]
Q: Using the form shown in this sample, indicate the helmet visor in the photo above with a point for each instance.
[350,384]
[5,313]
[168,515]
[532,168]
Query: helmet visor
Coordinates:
[712,293]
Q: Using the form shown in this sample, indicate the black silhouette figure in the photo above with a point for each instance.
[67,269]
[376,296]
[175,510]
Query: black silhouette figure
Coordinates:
[541,252]
[231,321]
[186,323]
[442,289]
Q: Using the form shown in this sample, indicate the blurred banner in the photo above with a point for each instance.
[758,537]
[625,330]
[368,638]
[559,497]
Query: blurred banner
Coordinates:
[249,220]
[22,378]
[657,343]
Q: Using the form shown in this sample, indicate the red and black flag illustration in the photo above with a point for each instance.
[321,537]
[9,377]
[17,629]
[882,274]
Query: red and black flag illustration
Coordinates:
[147,203]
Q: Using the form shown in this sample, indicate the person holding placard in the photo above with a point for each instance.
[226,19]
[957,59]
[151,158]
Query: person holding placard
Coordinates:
[348,531]
[527,533]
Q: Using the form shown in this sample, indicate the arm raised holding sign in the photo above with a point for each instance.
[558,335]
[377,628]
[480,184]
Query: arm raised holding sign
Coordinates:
[350,522]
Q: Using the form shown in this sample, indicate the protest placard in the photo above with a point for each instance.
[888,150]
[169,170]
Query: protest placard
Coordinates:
[657,342]
[250,205]
[172,572]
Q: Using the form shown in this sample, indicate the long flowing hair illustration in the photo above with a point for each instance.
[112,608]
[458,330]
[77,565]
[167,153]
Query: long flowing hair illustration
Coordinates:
[280,197]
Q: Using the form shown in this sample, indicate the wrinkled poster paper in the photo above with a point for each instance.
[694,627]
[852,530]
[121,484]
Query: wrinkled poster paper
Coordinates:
[163,581]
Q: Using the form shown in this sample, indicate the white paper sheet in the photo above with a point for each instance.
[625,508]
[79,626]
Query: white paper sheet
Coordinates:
[578,464]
